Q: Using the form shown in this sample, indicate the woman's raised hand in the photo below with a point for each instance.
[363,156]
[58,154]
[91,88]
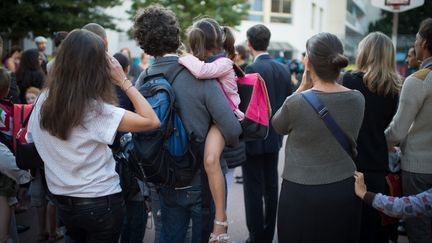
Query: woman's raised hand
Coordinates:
[306,82]
[117,74]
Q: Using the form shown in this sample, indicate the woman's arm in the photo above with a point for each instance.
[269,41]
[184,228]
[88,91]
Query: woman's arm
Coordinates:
[280,119]
[144,118]
[203,70]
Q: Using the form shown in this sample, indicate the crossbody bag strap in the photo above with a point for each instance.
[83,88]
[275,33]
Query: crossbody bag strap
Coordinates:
[325,116]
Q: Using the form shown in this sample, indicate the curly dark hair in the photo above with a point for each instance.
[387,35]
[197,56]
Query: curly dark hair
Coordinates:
[157,30]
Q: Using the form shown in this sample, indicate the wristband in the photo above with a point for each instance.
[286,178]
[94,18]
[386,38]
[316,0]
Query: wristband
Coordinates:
[128,88]
[124,81]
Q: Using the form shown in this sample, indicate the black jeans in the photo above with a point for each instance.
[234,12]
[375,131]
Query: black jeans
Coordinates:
[260,188]
[98,221]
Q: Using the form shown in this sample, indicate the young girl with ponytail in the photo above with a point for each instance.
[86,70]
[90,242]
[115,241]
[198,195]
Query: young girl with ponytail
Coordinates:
[213,50]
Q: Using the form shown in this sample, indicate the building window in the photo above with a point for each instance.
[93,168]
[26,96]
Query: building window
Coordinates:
[281,6]
[280,11]
[313,16]
[256,5]
[321,19]
[256,11]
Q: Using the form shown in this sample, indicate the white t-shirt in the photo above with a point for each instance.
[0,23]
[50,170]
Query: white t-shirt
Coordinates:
[82,165]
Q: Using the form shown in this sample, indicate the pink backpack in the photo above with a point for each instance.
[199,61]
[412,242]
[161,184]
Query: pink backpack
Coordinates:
[255,103]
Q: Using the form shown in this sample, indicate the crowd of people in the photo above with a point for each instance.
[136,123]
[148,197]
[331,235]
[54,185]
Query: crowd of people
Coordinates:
[340,127]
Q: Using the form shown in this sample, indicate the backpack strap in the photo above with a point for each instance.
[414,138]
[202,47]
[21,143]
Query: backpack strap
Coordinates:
[325,116]
[25,121]
[171,74]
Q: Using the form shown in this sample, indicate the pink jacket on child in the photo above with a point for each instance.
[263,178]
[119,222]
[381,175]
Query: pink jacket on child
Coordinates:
[221,69]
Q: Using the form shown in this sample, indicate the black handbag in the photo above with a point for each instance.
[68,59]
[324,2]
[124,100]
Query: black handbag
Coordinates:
[26,155]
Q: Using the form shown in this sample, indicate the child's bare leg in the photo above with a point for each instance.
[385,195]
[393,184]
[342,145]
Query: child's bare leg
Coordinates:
[5,211]
[214,145]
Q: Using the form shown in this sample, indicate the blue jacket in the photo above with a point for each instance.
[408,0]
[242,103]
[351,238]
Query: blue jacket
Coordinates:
[278,81]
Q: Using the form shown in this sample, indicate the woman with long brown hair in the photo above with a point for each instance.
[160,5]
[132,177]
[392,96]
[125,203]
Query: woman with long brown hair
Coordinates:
[376,78]
[73,123]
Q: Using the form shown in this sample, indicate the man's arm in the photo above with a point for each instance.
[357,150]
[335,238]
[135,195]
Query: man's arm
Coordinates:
[411,100]
[221,113]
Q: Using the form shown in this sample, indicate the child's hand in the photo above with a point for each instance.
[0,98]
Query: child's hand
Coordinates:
[359,185]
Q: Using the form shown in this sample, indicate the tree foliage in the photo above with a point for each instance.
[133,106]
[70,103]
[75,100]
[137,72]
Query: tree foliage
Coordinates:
[409,21]
[226,12]
[43,17]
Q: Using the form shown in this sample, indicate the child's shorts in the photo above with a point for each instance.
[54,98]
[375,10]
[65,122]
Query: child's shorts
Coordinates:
[8,189]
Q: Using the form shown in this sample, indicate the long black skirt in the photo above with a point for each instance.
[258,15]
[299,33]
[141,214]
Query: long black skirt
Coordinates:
[319,213]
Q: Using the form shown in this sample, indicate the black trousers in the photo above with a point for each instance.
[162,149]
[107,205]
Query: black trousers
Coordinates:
[260,177]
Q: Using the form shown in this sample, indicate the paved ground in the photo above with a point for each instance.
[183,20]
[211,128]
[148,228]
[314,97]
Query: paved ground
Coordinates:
[237,228]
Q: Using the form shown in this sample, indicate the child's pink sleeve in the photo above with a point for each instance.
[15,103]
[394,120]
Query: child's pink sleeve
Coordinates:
[203,70]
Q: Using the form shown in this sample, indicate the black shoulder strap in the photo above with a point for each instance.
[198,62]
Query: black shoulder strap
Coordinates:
[239,73]
[25,121]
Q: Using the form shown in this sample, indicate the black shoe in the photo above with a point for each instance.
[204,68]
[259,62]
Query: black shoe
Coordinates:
[21,228]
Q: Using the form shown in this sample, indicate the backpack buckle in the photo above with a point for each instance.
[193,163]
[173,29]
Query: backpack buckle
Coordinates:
[323,112]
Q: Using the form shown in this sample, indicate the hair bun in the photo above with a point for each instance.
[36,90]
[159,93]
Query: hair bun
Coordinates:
[340,61]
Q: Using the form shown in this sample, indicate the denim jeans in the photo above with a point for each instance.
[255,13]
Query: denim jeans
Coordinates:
[178,207]
[134,222]
[100,221]
[156,213]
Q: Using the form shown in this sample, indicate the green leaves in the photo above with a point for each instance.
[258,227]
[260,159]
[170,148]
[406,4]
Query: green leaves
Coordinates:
[226,12]
[43,17]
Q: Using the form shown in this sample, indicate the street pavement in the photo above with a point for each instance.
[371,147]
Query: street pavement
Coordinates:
[236,215]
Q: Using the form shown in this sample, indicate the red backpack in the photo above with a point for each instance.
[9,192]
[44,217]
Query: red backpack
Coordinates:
[21,112]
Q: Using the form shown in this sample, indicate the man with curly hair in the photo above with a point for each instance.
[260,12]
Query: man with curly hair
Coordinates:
[199,104]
